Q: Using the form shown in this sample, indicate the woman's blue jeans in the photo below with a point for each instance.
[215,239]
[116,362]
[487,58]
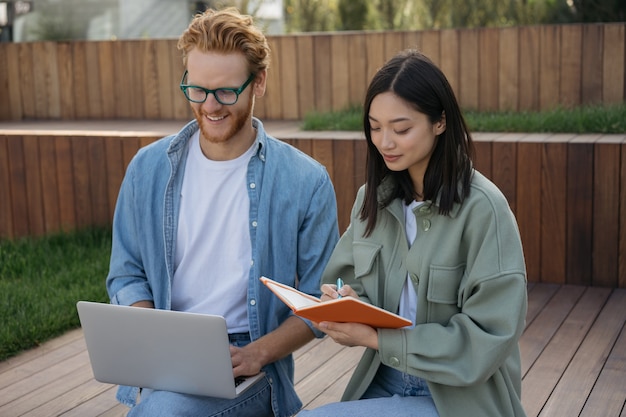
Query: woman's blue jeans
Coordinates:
[391,393]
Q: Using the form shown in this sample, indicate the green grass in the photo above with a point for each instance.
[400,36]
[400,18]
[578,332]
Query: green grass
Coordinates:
[42,279]
[588,119]
[350,118]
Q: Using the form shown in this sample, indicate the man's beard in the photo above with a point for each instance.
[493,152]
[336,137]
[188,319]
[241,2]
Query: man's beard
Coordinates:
[237,121]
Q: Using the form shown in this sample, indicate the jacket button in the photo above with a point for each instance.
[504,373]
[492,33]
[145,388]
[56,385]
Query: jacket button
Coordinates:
[393,361]
[425,209]
[426,225]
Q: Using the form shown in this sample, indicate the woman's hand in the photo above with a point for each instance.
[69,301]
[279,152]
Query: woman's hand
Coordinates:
[329,292]
[347,334]
[350,334]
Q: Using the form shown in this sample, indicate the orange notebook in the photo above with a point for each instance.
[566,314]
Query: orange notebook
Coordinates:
[342,310]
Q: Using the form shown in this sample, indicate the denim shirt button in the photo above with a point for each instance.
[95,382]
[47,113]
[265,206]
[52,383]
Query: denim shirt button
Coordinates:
[254,223]
[252,302]
[252,185]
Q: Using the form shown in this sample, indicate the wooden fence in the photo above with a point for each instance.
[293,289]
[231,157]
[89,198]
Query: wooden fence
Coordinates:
[518,68]
[567,191]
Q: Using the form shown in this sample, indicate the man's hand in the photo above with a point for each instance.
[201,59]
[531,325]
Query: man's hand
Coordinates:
[289,336]
[245,361]
[144,304]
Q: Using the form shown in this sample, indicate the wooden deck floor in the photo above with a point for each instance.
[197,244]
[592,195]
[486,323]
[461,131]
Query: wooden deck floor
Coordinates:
[573,359]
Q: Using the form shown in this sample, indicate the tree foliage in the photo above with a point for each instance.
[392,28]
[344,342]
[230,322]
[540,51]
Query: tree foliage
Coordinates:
[310,15]
[315,15]
[353,14]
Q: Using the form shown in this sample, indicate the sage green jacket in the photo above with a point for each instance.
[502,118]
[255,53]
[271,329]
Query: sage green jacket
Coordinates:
[469,274]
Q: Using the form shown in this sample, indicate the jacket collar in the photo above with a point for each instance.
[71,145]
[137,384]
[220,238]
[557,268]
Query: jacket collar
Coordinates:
[386,187]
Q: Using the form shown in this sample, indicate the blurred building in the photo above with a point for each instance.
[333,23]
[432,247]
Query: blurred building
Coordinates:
[9,12]
[22,21]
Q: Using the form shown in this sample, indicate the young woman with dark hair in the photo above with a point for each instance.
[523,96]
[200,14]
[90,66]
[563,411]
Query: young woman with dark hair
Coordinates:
[435,241]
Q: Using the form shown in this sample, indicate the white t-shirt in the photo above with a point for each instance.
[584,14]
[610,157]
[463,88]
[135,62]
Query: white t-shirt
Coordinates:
[213,250]
[408,299]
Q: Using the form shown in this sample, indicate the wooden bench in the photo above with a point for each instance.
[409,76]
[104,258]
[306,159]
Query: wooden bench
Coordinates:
[566,190]
[573,360]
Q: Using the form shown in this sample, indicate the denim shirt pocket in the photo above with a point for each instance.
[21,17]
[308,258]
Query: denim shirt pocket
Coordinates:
[442,294]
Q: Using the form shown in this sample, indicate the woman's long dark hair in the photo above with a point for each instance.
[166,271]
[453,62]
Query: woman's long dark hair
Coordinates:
[416,79]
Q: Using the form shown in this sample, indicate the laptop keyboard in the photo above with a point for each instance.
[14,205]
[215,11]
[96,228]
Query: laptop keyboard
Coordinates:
[239,380]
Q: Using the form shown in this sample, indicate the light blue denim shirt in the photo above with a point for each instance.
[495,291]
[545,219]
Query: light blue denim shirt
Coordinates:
[293,230]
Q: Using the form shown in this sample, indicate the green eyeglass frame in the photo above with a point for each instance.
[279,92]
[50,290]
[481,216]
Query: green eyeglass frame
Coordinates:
[226,96]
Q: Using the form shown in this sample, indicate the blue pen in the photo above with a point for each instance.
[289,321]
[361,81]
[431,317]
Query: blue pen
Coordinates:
[339,285]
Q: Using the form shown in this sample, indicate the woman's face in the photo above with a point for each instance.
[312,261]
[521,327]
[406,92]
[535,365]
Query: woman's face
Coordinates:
[404,136]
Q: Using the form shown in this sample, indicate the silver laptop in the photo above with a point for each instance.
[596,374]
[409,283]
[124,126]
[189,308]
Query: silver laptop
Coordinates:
[160,349]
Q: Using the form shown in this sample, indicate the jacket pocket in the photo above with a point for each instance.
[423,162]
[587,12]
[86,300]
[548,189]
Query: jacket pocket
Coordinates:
[442,294]
[365,255]
[366,270]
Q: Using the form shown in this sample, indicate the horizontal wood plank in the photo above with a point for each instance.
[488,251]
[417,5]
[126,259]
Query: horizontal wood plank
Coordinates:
[578,380]
[547,370]
[604,399]
[538,334]
[573,359]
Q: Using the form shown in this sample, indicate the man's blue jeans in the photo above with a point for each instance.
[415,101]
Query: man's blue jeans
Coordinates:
[255,402]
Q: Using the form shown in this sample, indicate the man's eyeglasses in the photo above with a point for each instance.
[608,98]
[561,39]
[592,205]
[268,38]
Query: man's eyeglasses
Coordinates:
[225,96]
